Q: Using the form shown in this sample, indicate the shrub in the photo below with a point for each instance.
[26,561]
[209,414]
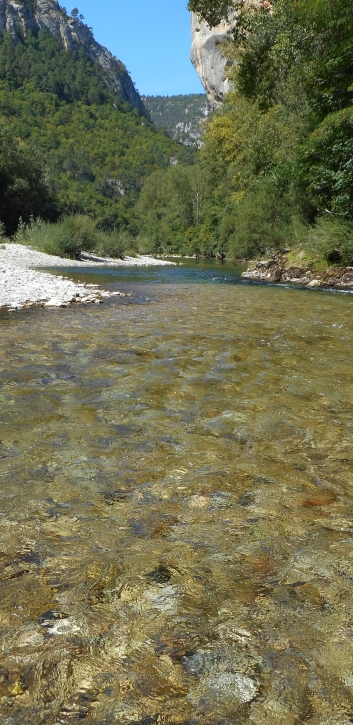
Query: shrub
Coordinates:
[25,232]
[73,235]
[114,244]
[330,241]
[326,163]
[67,238]
[262,222]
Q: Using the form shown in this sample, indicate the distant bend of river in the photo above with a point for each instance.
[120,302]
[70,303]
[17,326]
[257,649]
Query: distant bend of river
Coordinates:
[176,518]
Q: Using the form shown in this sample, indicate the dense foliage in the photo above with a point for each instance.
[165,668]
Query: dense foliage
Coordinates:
[72,235]
[275,171]
[276,166]
[213,11]
[92,150]
[23,190]
[45,66]
[181,116]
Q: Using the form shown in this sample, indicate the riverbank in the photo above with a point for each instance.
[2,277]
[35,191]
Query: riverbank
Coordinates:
[280,269]
[22,285]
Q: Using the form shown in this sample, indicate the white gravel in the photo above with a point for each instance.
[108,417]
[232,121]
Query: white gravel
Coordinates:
[22,286]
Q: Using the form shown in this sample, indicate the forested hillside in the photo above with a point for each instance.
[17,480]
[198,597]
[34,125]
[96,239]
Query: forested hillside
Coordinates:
[68,143]
[276,170]
[181,116]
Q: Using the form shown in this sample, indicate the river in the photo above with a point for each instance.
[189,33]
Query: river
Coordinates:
[176,512]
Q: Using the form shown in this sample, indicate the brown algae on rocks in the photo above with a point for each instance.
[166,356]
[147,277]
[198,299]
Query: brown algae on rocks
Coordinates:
[176,526]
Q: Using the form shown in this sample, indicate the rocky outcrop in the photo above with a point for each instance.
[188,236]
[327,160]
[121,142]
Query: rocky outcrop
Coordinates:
[20,16]
[279,269]
[208,60]
[182,116]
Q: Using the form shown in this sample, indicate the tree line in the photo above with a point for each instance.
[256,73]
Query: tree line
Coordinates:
[275,171]
[68,144]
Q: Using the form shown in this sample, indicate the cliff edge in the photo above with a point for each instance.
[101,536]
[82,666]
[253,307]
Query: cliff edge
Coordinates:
[208,60]
[19,17]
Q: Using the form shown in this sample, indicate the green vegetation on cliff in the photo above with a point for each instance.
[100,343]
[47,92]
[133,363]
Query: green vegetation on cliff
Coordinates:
[67,139]
[181,116]
[275,171]
[276,166]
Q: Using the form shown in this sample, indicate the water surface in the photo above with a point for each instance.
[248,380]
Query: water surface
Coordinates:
[176,506]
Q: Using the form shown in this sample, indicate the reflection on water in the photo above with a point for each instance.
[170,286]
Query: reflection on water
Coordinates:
[176,509]
[197,271]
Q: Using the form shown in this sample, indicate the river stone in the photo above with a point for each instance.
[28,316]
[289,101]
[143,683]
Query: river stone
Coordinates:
[229,686]
[165,600]
[160,575]
[314,283]
[55,302]
[219,679]
[31,638]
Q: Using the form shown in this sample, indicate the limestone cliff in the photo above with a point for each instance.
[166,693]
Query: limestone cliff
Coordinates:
[207,58]
[20,16]
[182,116]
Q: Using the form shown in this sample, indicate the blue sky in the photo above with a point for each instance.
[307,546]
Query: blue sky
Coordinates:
[152,38]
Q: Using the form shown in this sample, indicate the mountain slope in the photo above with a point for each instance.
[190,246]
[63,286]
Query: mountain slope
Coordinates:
[62,106]
[20,17]
[181,116]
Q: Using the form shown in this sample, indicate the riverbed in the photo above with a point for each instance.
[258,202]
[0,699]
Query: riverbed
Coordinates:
[176,522]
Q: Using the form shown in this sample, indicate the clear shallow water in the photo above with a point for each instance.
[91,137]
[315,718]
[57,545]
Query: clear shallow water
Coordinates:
[176,525]
[188,271]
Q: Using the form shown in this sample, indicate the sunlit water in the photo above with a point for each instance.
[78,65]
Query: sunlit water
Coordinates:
[176,508]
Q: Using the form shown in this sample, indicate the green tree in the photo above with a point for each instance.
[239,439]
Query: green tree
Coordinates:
[213,11]
[23,191]
[97,150]
[278,153]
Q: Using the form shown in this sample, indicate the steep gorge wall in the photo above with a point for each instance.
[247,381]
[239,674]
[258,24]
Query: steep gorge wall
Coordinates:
[208,60]
[20,16]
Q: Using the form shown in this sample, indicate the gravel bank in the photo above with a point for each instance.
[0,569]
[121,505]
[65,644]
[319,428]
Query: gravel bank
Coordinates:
[22,286]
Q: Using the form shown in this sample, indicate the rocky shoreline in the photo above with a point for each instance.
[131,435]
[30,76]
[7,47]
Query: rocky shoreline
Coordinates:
[277,269]
[24,286]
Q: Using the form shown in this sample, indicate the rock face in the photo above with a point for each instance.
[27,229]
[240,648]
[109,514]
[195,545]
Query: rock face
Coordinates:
[20,16]
[278,269]
[207,58]
[182,116]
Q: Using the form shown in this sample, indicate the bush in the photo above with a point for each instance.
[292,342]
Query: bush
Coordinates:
[263,221]
[330,242]
[67,238]
[115,244]
[25,232]
[326,163]
[73,235]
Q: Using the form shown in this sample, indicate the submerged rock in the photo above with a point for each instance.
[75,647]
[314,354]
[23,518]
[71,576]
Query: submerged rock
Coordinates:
[161,575]
[229,686]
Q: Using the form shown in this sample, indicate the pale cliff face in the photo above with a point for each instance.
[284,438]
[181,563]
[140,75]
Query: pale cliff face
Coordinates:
[207,58]
[20,16]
